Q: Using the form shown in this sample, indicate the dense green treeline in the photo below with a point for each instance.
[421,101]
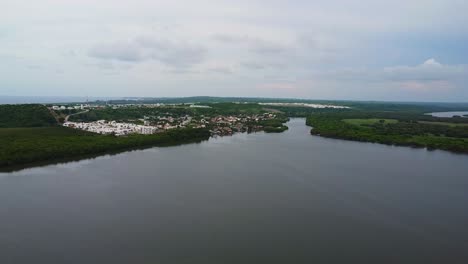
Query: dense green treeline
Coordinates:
[407,130]
[26,115]
[304,111]
[27,145]
[130,113]
[274,125]
[401,116]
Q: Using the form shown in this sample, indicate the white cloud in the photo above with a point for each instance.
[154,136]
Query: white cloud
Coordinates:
[170,53]
[431,63]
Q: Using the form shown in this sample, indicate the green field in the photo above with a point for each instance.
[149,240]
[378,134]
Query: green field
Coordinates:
[369,121]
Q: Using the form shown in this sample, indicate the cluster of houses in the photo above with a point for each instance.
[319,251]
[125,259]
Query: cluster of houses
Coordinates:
[166,122]
[112,127]
[227,125]
[218,125]
[69,107]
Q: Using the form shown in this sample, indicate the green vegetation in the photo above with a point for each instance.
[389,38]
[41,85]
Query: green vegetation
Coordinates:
[443,123]
[274,125]
[396,128]
[27,145]
[369,121]
[30,115]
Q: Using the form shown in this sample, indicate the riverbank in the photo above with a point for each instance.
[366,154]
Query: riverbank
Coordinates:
[30,146]
[396,131]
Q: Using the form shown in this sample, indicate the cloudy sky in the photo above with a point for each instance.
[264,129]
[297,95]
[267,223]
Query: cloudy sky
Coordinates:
[410,50]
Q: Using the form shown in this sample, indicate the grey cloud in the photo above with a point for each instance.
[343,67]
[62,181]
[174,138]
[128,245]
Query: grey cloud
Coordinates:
[221,69]
[427,81]
[322,44]
[253,65]
[69,53]
[129,52]
[264,47]
[182,71]
[254,44]
[34,67]
[230,38]
[430,70]
[257,65]
[174,53]
[169,53]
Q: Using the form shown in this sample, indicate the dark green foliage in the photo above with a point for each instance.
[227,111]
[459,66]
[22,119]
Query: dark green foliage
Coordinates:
[27,115]
[274,125]
[113,114]
[407,131]
[26,145]
[304,111]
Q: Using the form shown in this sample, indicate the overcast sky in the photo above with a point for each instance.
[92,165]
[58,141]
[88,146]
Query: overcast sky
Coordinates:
[410,50]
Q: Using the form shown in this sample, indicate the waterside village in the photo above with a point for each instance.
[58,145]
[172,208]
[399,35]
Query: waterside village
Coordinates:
[219,125]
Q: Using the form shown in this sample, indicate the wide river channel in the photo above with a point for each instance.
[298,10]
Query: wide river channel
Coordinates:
[249,198]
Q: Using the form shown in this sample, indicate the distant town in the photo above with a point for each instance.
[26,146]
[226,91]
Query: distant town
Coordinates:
[218,125]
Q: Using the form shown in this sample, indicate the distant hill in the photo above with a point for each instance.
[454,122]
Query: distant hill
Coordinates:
[28,115]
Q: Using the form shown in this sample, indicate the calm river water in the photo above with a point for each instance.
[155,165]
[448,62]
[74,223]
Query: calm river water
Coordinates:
[258,198]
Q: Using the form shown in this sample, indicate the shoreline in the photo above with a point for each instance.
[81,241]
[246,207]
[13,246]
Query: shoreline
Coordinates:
[71,147]
[43,163]
[93,155]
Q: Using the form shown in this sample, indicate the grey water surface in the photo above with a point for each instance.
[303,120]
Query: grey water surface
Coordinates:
[249,198]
